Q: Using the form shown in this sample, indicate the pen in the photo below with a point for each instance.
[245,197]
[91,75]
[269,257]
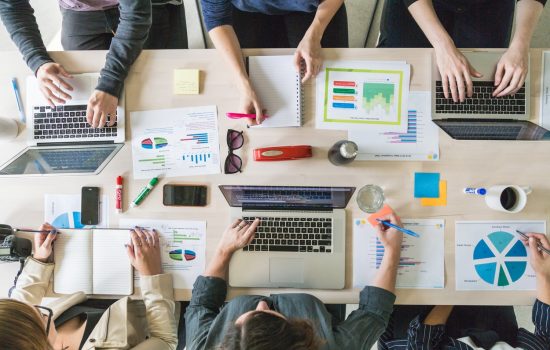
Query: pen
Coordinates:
[118,194]
[539,245]
[479,191]
[242,115]
[35,231]
[145,192]
[18,100]
[398,228]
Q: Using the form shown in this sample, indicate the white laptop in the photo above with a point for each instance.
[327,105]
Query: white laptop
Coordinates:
[60,139]
[300,242]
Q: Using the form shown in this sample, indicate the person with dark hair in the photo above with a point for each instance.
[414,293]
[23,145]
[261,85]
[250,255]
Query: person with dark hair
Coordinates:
[448,24]
[74,322]
[475,327]
[286,321]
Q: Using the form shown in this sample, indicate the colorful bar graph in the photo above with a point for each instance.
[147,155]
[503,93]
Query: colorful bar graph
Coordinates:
[345,83]
[197,158]
[199,137]
[410,136]
[344,91]
[343,98]
[343,105]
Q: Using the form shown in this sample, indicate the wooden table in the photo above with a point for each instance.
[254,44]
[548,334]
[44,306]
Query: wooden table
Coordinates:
[149,86]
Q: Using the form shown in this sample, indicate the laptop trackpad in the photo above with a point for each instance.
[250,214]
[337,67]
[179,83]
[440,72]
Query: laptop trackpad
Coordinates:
[283,270]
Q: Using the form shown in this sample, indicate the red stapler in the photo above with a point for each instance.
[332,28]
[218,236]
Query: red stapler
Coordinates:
[282,153]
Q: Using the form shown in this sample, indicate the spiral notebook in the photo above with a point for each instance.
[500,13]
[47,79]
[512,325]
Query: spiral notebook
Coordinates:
[279,89]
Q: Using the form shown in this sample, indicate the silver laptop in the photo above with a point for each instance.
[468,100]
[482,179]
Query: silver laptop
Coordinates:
[59,138]
[300,242]
[484,117]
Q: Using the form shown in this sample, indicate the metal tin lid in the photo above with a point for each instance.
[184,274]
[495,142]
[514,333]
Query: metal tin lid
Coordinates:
[349,149]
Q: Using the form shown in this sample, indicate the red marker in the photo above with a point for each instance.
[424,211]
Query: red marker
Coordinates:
[118,200]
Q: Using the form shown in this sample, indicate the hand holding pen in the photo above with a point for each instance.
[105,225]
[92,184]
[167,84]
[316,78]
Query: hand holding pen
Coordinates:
[43,242]
[539,247]
[390,237]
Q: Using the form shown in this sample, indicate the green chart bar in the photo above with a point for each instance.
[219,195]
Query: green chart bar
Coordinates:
[343,91]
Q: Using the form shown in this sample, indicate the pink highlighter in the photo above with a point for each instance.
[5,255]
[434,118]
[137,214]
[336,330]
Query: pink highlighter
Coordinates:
[242,115]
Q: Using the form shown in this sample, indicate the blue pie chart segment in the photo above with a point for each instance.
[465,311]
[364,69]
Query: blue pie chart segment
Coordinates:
[482,251]
[487,272]
[516,269]
[68,220]
[501,239]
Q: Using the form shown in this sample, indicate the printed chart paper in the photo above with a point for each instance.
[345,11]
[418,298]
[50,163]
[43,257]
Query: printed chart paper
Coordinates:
[63,211]
[419,142]
[422,262]
[490,256]
[545,91]
[355,94]
[175,142]
[183,247]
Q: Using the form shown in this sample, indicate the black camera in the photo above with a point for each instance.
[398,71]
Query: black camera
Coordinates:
[13,248]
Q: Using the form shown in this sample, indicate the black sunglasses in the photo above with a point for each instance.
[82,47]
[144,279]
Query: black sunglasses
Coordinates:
[46,312]
[233,163]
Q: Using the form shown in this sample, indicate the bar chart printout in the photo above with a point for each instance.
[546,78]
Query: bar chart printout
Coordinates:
[422,259]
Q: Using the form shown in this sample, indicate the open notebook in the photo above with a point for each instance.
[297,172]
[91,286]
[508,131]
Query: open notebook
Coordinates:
[92,261]
[279,89]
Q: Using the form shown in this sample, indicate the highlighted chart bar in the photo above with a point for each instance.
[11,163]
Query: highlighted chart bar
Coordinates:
[345,83]
[343,105]
[344,98]
[200,138]
[344,91]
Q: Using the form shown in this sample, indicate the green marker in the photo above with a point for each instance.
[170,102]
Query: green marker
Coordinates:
[145,192]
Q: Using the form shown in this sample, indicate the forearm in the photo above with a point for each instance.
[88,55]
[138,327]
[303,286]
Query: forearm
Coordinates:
[18,18]
[135,21]
[219,265]
[439,315]
[527,16]
[424,14]
[326,10]
[387,273]
[543,289]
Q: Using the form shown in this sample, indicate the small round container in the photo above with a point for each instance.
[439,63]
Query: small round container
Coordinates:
[342,152]
[370,198]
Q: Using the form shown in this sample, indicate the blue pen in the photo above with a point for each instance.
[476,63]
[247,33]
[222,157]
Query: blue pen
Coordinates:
[18,100]
[398,228]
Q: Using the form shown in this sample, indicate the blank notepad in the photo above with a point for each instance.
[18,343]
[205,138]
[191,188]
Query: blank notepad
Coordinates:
[278,86]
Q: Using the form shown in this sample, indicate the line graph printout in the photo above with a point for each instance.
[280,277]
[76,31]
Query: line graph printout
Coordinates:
[422,259]
[489,255]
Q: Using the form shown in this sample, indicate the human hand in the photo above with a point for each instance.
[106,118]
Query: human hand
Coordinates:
[309,51]
[511,71]
[250,103]
[43,243]
[101,106]
[455,72]
[144,251]
[238,235]
[50,81]
[390,238]
[540,261]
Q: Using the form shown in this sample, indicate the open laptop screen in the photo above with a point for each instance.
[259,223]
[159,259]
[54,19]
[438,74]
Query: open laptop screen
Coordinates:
[60,160]
[287,197]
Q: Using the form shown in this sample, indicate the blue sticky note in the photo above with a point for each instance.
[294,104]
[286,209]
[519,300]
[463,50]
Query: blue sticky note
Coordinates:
[426,185]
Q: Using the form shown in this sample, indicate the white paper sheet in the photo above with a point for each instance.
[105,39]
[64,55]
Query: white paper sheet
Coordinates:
[175,142]
[183,247]
[63,211]
[490,256]
[419,142]
[545,91]
[422,259]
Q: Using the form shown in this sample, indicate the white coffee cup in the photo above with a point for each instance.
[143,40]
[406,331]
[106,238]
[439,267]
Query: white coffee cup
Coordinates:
[8,129]
[507,198]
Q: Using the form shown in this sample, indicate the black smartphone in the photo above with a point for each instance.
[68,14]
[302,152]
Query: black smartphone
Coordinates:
[184,195]
[90,206]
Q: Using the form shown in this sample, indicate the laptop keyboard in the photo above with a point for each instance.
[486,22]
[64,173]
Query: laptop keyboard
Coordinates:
[482,101]
[285,234]
[67,122]
[81,159]
[483,132]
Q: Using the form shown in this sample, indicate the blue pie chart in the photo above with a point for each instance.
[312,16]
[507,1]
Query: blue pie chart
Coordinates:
[68,220]
[500,259]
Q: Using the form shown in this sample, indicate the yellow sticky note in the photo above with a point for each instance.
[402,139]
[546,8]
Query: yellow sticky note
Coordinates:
[437,202]
[186,81]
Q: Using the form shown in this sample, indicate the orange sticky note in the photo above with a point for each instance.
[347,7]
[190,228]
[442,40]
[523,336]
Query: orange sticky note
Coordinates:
[386,210]
[437,202]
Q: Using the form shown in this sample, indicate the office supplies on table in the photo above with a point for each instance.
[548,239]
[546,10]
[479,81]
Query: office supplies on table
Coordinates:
[175,142]
[279,88]
[18,100]
[426,185]
[93,261]
[545,91]
[118,194]
[64,211]
[276,153]
[421,264]
[242,115]
[184,195]
[439,201]
[61,142]
[507,198]
[144,192]
[490,256]
[186,81]
[367,95]
[8,129]
[539,244]
[182,248]
[484,117]
[383,212]
[300,241]
[233,163]
[480,191]
[13,248]
[420,142]
[342,152]
[90,206]
[370,198]
[398,228]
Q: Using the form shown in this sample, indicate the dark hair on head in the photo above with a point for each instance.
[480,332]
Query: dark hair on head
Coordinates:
[264,330]
[21,327]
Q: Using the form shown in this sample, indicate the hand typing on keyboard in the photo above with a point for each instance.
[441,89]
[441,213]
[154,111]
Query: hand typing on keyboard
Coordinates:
[237,236]
[101,109]
[50,80]
[511,71]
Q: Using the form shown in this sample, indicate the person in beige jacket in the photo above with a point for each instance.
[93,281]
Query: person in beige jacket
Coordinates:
[70,324]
